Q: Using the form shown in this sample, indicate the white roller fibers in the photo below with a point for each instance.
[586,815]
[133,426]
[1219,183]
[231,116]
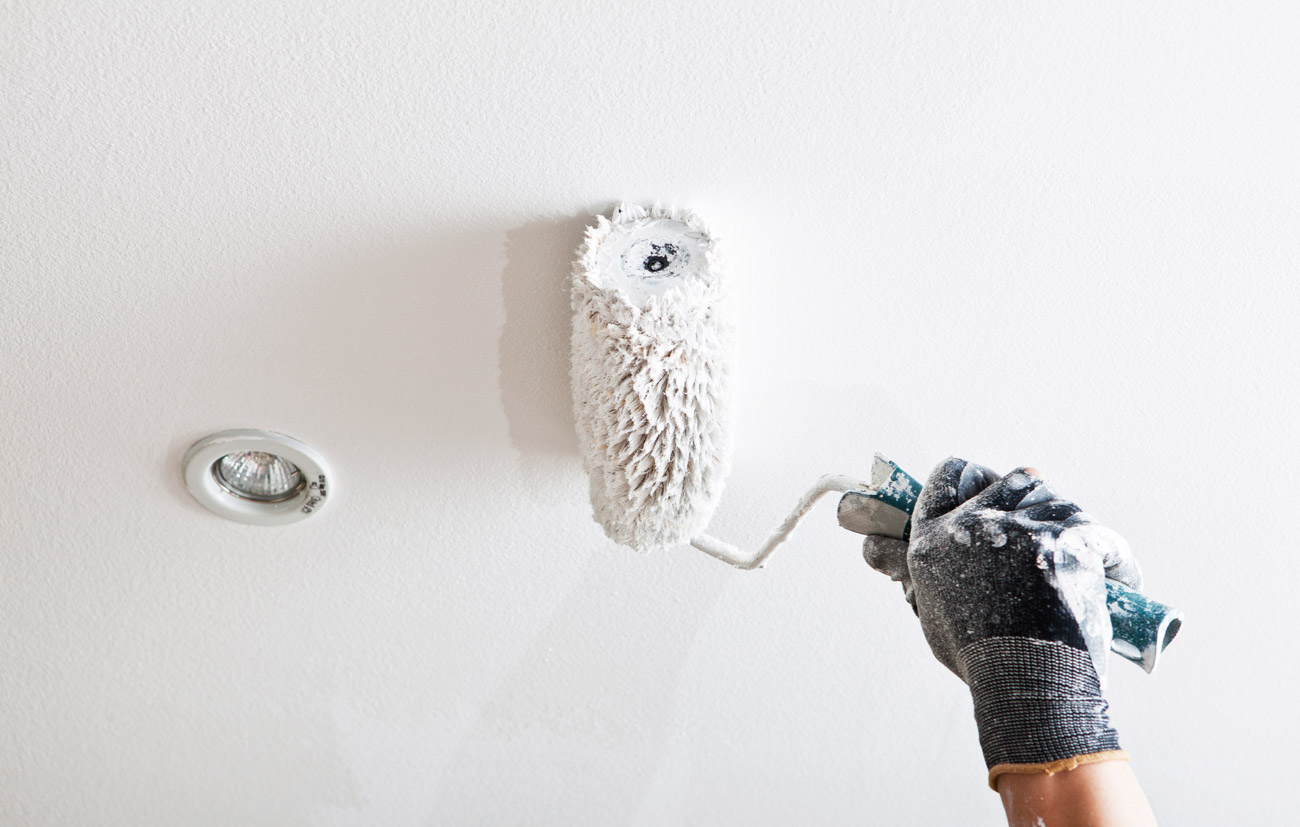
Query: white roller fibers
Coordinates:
[652,340]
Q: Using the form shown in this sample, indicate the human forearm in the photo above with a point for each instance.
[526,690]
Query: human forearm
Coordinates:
[1092,795]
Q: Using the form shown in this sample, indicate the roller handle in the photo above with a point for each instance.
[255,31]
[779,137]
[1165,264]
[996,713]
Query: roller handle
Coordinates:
[1142,627]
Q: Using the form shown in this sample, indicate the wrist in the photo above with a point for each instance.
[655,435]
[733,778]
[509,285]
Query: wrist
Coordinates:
[1038,705]
[1098,795]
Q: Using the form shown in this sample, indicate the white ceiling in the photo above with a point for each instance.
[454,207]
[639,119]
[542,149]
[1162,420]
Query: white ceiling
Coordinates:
[1019,233]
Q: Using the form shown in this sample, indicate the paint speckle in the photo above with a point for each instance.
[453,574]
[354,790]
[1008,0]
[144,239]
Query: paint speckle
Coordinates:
[660,258]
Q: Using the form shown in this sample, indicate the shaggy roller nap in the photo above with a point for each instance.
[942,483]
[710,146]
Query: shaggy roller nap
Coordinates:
[652,341]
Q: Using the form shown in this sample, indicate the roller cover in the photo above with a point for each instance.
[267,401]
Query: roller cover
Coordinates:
[652,344]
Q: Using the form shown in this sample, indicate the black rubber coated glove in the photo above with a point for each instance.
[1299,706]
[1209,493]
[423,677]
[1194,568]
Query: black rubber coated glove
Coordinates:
[1008,580]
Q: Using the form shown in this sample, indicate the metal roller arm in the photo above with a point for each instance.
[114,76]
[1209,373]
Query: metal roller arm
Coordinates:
[727,553]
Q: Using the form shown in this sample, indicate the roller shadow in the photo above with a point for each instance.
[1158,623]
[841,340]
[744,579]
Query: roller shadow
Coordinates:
[534,345]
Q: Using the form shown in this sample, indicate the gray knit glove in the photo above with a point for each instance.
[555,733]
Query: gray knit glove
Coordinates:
[1008,580]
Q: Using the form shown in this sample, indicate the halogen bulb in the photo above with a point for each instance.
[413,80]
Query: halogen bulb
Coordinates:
[258,476]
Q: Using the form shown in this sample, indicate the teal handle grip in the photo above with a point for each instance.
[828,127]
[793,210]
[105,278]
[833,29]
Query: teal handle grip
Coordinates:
[1142,627]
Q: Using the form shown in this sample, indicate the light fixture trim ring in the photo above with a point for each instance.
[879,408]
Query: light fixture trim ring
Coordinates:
[200,479]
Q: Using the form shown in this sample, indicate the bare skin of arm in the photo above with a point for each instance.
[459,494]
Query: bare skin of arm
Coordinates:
[1093,795]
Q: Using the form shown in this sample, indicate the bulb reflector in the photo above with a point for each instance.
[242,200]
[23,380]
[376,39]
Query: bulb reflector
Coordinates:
[258,476]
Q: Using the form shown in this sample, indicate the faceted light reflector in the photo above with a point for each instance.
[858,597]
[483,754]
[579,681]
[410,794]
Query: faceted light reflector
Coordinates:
[257,475]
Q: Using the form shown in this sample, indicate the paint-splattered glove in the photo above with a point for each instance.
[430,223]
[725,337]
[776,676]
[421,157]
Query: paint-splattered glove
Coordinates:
[1008,580]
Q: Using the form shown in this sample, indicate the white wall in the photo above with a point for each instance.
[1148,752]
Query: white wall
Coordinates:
[1018,232]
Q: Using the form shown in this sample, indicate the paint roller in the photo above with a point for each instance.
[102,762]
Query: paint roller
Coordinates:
[652,341]
[651,348]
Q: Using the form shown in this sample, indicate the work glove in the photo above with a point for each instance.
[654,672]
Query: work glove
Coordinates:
[1009,582]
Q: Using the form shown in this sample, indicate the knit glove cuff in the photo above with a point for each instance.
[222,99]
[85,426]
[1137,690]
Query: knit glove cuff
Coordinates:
[1038,705]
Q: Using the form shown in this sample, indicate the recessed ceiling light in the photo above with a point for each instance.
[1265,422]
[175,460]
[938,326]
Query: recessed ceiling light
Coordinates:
[257,477]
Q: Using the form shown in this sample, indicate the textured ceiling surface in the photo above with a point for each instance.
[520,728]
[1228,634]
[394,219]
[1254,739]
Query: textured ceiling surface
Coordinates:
[1017,233]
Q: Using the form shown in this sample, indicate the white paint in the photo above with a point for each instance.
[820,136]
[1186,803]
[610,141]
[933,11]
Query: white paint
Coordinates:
[352,223]
[1078,572]
[623,260]
[652,374]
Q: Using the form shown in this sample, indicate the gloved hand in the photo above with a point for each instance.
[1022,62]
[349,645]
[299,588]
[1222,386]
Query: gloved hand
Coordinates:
[1008,580]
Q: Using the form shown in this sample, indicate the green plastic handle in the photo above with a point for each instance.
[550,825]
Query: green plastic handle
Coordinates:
[1142,627]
